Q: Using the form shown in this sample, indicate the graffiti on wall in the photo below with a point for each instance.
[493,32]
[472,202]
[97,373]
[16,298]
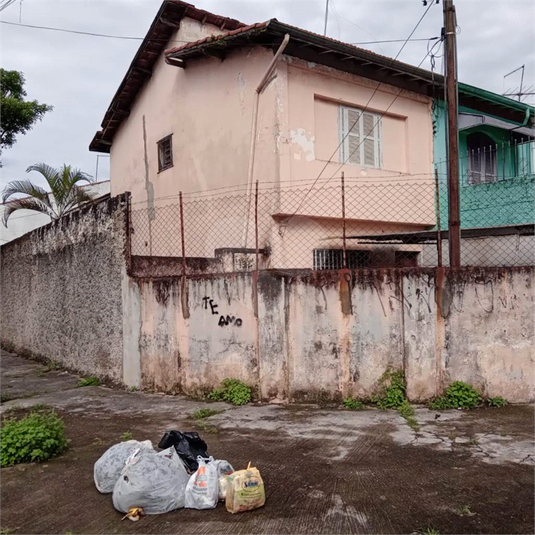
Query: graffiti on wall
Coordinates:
[224,320]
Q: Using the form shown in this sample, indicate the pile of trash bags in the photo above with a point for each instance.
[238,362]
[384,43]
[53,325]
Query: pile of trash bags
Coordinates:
[143,480]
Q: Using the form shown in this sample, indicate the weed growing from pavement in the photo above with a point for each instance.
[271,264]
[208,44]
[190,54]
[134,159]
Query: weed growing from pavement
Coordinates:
[466,511]
[429,531]
[233,391]
[52,365]
[206,427]
[133,389]
[458,395]
[40,407]
[5,531]
[406,410]
[127,435]
[498,401]
[353,404]
[392,394]
[474,442]
[199,414]
[35,437]
[89,381]
[97,441]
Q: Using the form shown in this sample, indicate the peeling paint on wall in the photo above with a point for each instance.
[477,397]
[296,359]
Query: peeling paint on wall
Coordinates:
[305,141]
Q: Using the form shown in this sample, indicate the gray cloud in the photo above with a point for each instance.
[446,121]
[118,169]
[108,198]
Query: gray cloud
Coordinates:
[78,74]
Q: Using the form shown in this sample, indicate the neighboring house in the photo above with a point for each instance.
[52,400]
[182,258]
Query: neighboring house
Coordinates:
[23,221]
[496,176]
[182,118]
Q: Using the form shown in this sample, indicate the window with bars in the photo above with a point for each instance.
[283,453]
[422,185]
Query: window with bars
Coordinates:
[481,159]
[361,135]
[334,259]
[165,153]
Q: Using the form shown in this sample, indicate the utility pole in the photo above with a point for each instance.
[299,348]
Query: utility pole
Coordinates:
[454,216]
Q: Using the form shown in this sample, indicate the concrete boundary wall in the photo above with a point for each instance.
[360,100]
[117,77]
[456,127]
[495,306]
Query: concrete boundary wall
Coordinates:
[62,290]
[70,292]
[333,334]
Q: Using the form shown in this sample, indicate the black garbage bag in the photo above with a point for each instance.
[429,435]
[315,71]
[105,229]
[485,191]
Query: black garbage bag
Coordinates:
[188,446]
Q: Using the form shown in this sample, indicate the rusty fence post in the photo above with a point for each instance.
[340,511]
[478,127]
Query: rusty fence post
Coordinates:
[439,229]
[344,244]
[128,230]
[256,223]
[183,298]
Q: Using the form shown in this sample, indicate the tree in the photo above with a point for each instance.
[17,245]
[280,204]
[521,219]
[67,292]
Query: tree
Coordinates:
[18,115]
[65,193]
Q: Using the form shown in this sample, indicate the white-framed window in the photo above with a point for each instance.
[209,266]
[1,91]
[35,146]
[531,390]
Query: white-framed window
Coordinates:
[361,135]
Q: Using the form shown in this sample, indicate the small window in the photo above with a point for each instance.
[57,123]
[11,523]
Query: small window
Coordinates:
[165,153]
[334,259]
[361,135]
[481,159]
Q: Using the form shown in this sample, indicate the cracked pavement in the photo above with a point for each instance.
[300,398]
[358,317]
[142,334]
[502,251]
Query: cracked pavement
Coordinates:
[326,470]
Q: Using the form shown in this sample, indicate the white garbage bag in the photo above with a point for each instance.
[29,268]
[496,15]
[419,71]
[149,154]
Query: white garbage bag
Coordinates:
[108,468]
[203,486]
[224,469]
[154,481]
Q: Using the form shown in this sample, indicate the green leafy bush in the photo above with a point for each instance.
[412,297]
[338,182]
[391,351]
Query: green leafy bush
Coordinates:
[199,414]
[89,381]
[233,391]
[36,437]
[498,401]
[393,394]
[353,404]
[440,403]
[458,395]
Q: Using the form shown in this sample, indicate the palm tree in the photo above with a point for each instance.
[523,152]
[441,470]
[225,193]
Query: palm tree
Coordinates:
[64,196]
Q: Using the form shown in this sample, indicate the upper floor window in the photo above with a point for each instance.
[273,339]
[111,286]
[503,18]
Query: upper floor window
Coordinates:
[361,135]
[481,159]
[165,153]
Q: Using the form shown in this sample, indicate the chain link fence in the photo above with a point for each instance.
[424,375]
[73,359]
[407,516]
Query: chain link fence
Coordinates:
[339,223]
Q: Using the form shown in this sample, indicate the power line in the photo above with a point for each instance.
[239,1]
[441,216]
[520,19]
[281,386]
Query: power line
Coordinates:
[5,4]
[361,114]
[132,38]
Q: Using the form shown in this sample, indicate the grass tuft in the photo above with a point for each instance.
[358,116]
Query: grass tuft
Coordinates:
[199,414]
[89,381]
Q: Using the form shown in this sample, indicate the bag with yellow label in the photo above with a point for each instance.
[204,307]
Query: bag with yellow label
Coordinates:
[245,490]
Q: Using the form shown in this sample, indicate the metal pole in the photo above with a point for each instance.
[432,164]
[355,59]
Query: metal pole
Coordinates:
[182,233]
[439,228]
[326,16]
[454,223]
[183,296]
[256,222]
[344,220]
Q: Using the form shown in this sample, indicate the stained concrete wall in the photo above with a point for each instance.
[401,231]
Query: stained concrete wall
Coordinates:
[61,290]
[318,335]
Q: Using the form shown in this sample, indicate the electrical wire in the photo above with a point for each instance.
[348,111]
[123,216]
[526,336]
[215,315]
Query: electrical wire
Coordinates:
[5,4]
[362,112]
[132,38]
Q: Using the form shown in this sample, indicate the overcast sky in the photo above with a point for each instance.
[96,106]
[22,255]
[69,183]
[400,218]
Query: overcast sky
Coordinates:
[78,74]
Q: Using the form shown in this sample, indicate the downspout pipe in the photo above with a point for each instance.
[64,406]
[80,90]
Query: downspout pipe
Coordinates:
[526,120]
[252,147]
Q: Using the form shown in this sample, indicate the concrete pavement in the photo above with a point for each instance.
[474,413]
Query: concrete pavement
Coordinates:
[326,470]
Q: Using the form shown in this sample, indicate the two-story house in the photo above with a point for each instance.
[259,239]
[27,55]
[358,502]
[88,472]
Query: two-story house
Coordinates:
[210,103]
